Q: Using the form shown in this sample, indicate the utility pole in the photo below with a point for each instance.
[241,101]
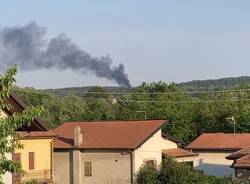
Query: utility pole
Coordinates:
[232,120]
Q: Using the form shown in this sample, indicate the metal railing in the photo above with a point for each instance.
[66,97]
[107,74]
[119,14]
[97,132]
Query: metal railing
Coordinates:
[39,175]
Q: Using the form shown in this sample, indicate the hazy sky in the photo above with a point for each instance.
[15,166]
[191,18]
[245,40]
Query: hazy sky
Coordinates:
[169,40]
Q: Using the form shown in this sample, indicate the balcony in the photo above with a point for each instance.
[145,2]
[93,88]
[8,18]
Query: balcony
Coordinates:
[44,176]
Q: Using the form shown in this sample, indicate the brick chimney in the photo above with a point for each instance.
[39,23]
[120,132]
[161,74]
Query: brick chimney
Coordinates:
[78,137]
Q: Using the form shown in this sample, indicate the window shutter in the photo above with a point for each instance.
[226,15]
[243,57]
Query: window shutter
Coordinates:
[16,157]
[88,168]
[31,160]
[16,177]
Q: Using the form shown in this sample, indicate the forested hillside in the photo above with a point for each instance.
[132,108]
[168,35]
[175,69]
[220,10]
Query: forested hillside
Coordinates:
[215,84]
[189,114]
[196,85]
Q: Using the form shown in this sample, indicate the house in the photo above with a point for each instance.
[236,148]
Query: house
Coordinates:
[107,152]
[241,163]
[213,149]
[36,155]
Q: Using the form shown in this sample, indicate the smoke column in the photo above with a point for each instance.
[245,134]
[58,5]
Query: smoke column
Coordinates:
[25,46]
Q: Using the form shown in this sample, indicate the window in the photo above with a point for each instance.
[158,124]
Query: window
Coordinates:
[88,168]
[150,163]
[31,160]
[16,157]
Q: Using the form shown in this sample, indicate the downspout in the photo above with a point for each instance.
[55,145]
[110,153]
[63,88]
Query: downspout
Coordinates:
[131,167]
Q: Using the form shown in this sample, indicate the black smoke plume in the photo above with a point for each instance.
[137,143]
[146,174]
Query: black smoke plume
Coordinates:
[25,46]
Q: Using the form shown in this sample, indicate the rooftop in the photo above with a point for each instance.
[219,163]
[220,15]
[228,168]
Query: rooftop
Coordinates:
[220,141]
[243,162]
[108,134]
[178,152]
[238,154]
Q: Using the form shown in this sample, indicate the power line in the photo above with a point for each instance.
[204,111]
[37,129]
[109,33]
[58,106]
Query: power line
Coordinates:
[150,93]
[135,93]
[173,101]
[156,101]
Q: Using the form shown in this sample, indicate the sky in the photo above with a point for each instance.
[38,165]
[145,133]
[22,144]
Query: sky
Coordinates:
[167,40]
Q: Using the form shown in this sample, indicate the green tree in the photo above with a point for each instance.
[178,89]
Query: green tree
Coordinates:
[72,108]
[172,172]
[9,140]
[147,175]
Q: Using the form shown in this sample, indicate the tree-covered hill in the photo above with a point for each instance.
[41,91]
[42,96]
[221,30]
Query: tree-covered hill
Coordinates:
[195,85]
[215,84]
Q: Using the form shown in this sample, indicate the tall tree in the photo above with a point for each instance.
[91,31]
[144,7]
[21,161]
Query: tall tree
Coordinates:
[9,139]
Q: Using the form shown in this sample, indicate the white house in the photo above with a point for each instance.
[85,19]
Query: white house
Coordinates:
[213,148]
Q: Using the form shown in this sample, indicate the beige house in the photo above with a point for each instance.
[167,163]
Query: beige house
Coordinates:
[214,148]
[107,152]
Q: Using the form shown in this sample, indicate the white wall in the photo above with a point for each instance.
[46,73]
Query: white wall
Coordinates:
[214,163]
[188,159]
[151,150]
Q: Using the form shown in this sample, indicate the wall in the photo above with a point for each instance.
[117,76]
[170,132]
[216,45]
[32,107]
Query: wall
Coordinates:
[188,159]
[151,150]
[62,167]
[214,163]
[42,150]
[108,167]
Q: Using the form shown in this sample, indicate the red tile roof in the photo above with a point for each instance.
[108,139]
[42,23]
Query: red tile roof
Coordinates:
[36,134]
[220,141]
[238,154]
[108,134]
[243,162]
[178,152]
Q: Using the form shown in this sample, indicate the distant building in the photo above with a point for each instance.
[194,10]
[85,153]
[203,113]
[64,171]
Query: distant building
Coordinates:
[108,152]
[36,155]
[214,148]
[241,163]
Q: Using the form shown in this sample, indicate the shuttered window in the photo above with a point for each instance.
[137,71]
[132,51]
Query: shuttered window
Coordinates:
[16,157]
[31,160]
[88,168]
[16,177]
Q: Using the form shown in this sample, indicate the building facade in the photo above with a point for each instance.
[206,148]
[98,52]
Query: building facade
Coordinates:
[36,155]
[107,152]
[213,150]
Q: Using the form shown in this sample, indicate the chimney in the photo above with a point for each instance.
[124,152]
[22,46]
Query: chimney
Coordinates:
[78,137]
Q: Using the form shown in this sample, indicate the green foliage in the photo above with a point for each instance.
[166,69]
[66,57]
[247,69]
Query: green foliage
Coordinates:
[32,182]
[216,84]
[158,100]
[172,172]
[147,175]
[9,140]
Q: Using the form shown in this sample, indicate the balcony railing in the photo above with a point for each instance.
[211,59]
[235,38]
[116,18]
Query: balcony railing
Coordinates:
[39,175]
